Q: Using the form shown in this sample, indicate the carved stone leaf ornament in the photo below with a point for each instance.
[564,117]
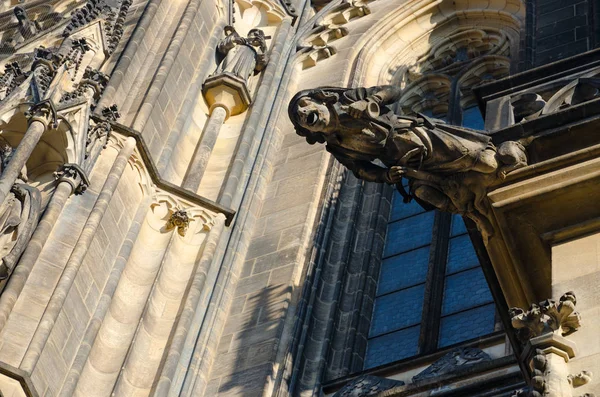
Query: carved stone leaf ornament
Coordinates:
[548,316]
[542,329]
[180,220]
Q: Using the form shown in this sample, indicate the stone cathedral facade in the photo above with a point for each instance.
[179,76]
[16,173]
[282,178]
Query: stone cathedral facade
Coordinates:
[165,230]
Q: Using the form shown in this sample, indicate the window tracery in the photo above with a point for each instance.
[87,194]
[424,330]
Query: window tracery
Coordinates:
[429,265]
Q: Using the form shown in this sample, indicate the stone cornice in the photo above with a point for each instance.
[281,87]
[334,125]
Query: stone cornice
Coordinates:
[155,175]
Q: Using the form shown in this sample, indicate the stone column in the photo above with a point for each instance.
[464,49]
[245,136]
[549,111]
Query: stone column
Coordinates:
[189,309]
[163,307]
[39,117]
[226,95]
[543,330]
[121,321]
[70,179]
[57,300]
[204,149]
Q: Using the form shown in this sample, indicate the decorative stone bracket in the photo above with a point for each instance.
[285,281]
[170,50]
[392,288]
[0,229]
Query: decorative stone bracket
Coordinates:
[547,352]
[547,317]
[180,220]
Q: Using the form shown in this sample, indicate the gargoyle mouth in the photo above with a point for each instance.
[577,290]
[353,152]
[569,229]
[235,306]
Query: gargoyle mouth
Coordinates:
[312,118]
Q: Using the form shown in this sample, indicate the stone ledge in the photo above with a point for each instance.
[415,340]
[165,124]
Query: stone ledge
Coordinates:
[157,179]
[15,382]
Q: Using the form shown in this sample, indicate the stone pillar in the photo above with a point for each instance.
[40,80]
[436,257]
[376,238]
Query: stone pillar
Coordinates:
[57,300]
[163,307]
[547,351]
[70,179]
[204,149]
[120,323]
[39,117]
[189,309]
[226,95]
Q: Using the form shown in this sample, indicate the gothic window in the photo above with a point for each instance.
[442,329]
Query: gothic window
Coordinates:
[432,292]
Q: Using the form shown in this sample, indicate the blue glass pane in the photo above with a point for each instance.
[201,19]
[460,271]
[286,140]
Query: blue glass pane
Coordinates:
[402,210]
[397,310]
[458,226]
[408,234]
[467,325]
[392,347]
[404,270]
[472,118]
[465,290]
[461,254]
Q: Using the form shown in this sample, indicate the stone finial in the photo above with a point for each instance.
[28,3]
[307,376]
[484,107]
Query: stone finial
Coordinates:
[547,317]
[111,113]
[180,220]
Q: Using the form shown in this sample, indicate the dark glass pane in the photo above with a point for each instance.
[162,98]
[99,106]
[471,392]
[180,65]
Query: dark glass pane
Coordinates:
[467,325]
[461,254]
[472,118]
[402,210]
[409,233]
[458,226]
[397,310]
[392,347]
[439,116]
[404,270]
[465,290]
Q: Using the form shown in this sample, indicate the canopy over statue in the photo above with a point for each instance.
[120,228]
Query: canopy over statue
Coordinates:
[449,168]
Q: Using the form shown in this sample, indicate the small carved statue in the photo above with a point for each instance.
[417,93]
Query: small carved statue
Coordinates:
[447,167]
[242,56]
[18,215]
[27,27]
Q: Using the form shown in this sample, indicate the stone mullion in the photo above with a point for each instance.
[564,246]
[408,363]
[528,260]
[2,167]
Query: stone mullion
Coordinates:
[327,288]
[365,311]
[434,284]
[312,277]
[353,284]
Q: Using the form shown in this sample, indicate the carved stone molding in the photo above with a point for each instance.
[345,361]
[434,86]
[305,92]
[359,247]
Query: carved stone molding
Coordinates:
[452,362]
[114,12]
[12,77]
[367,385]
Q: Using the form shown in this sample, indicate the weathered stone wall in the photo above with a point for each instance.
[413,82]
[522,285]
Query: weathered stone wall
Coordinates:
[576,267]
[558,29]
[83,298]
